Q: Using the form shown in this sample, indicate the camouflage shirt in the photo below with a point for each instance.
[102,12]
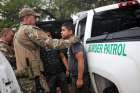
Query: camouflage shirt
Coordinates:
[61,43]
[35,37]
[31,37]
[6,50]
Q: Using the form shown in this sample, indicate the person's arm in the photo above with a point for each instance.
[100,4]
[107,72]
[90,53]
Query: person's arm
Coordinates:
[61,43]
[41,38]
[80,59]
[65,62]
[36,35]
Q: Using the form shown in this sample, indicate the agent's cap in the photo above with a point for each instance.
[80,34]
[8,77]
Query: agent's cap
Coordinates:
[27,11]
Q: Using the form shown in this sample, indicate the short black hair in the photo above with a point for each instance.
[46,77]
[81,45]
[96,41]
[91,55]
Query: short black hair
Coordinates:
[5,31]
[69,26]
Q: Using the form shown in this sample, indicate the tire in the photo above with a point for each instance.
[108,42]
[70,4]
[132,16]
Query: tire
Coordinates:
[111,89]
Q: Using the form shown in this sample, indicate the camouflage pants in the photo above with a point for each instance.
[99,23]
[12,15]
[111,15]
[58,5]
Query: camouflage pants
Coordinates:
[26,77]
[26,84]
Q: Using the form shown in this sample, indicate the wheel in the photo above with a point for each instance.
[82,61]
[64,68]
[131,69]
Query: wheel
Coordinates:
[111,89]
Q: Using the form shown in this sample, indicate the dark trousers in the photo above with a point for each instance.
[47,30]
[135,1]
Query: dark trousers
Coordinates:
[84,89]
[58,78]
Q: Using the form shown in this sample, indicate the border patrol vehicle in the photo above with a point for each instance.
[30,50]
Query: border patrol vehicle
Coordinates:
[111,37]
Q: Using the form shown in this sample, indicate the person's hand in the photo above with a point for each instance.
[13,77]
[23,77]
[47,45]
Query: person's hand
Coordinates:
[48,42]
[67,73]
[79,83]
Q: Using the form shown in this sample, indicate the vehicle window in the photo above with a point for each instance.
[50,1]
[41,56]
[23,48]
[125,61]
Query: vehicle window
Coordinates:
[115,20]
[81,28]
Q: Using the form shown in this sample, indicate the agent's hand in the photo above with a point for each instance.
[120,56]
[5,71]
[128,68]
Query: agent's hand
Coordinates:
[79,83]
[49,42]
[67,73]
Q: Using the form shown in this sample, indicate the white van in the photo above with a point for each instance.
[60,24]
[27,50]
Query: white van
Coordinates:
[111,36]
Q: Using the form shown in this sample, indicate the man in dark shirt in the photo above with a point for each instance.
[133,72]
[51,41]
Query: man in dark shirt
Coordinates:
[77,62]
[55,62]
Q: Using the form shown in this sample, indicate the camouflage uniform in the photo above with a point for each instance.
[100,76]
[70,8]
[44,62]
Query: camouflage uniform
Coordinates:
[8,51]
[26,49]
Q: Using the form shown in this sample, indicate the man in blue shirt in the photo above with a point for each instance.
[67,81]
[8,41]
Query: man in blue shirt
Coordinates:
[77,62]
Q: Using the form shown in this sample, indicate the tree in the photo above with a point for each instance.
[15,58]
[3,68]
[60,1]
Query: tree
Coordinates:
[62,9]
[9,10]
[99,3]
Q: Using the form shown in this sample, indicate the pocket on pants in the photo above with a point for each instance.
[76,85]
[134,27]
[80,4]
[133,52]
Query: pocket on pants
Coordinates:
[35,67]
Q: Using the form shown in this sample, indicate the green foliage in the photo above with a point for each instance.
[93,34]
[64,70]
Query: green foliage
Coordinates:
[60,9]
[9,11]
[99,3]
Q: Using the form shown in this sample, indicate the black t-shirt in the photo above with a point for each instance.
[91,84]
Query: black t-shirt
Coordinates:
[51,61]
